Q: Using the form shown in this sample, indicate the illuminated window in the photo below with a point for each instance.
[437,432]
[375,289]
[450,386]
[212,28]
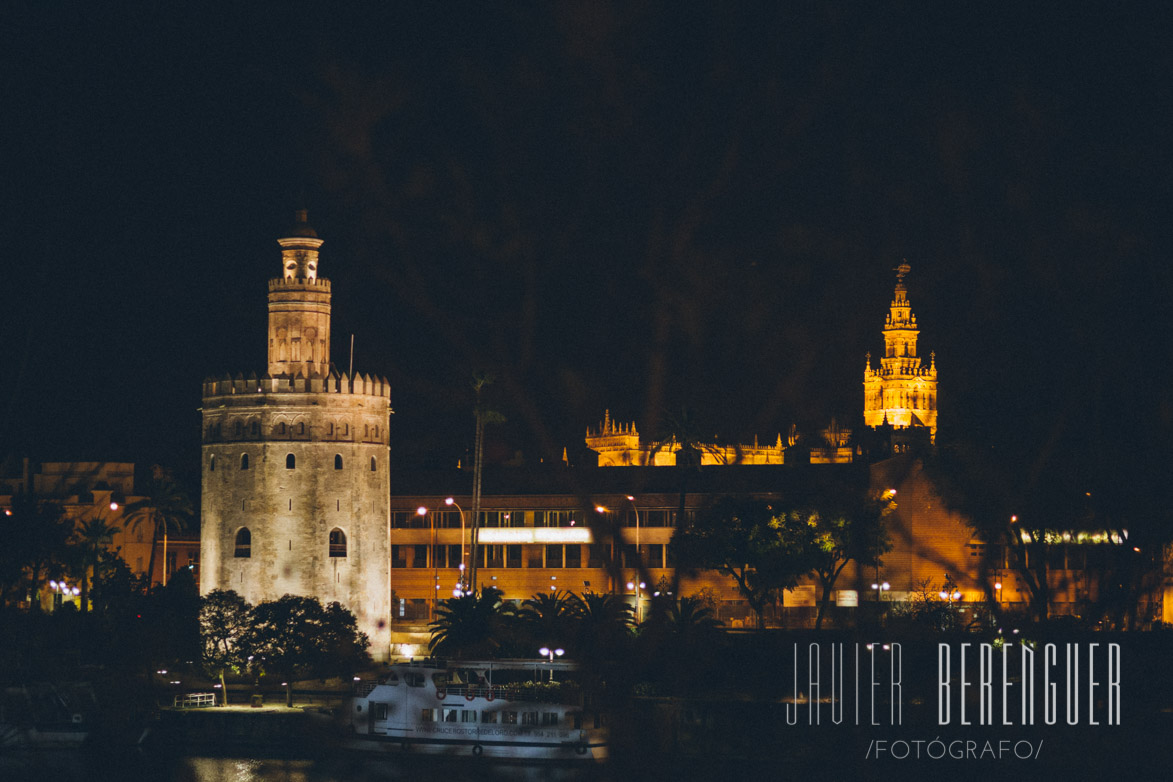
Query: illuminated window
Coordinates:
[290,462]
[212,463]
[428,715]
[337,461]
[244,542]
[337,543]
[529,718]
[244,461]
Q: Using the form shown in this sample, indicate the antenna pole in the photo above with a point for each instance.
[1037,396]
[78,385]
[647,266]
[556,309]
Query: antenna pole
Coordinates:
[351,373]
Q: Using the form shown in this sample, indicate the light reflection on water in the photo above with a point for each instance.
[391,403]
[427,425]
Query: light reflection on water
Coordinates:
[133,766]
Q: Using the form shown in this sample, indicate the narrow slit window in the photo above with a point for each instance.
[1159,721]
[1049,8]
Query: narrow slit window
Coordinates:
[244,461]
[290,462]
[337,461]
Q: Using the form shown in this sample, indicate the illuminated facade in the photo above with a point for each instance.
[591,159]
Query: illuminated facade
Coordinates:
[88,491]
[294,463]
[902,392]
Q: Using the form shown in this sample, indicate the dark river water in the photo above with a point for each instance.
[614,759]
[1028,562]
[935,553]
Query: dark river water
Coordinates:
[131,766]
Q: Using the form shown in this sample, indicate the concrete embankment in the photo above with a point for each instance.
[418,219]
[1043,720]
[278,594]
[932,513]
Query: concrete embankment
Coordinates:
[237,726]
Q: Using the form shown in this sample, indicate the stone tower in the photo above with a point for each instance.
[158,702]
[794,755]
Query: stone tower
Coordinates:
[295,496]
[903,391]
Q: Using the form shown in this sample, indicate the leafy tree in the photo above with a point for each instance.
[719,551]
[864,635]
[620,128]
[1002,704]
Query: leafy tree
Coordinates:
[845,527]
[37,547]
[224,620]
[763,551]
[295,636]
[471,625]
[167,507]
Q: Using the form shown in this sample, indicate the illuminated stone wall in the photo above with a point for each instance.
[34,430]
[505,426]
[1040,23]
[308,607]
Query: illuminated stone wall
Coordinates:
[902,391]
[295,456]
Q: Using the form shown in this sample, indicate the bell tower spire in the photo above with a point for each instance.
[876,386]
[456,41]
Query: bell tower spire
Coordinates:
[902,391]
[299,307]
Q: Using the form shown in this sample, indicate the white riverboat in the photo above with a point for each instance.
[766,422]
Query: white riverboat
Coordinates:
[504,708]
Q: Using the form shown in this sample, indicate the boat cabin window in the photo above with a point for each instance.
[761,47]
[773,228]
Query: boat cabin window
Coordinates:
[413,679]
[440,680]
[508,718]
[391,678]
[450,715]
[428,715]
[549,718]
[575,717]
[529,718]
[489,717]
[380,710]
[468,715]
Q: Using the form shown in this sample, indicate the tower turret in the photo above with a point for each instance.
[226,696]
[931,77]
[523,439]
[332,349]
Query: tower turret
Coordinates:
[902,392]
[299,308]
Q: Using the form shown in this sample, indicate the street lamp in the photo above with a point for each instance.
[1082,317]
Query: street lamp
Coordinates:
[639,604]
[546,651]
[461,585]
[422,512]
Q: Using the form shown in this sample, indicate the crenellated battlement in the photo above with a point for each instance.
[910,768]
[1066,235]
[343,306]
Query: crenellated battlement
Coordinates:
[320,284]
[360,384]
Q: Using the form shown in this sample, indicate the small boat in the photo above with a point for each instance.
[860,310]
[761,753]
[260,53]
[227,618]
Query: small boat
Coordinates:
[517,709]
[44,716]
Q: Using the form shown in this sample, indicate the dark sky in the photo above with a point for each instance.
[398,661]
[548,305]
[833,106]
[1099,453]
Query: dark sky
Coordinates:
[619,205]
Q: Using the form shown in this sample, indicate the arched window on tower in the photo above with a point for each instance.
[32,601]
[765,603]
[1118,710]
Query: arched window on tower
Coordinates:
[212,463]
[244,461]
[374,464]
[244,544]
[290,461]
[337,543]
[337,461]
[238,428]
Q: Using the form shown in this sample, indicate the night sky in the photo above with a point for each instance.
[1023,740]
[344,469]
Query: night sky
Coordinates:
[634,206]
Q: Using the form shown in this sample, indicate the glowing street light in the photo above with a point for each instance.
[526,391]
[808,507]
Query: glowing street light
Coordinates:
[546,651]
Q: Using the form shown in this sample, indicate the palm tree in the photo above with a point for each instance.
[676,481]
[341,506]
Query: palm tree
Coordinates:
[167,507]
[91,538]
[468,626]
[548,616]
[603,623]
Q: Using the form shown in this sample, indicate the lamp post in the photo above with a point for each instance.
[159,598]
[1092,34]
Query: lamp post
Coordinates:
[423,513]
[546,651]
[462,585]
[639,603]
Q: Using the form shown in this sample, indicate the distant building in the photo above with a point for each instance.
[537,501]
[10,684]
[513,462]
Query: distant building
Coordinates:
[294,464]
[902,392]
[100,490]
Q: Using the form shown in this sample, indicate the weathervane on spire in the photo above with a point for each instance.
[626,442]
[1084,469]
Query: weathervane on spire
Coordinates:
[902,270]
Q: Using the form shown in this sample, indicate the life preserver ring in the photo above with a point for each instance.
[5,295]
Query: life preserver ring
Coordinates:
[441,693]
[489,694]
[470,694]
[478,750]
[580,749]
